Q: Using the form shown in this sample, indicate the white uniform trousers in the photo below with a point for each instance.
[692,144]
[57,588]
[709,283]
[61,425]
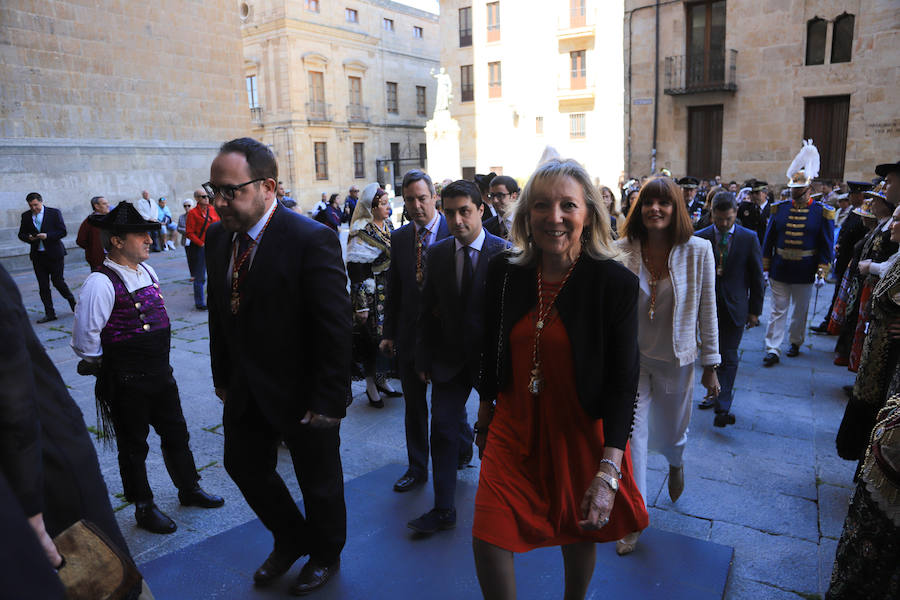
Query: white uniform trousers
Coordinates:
[662,415]
[783,295]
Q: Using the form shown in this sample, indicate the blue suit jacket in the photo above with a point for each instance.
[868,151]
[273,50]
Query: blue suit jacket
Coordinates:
[52,225]
[740,288]
[798,241]
[403,292]
[450,329]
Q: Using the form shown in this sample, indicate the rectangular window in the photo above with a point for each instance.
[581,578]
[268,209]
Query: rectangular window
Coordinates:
[352,15]
[468,173]
[417,32]
[497,170]
[465,27]
[816,30]
[392,97]
[423,155]
[577,126]
[252,92]
[577,13]
[420,101]
[705,42]
[539,125]
[312,5]
[704,156]
[387,24]
[495,89]
[825,121]
[317,107]
[359,160]
[842,39]
[466,84]
[395,158]
[355,108]
[320,151]
[493,21]
[578,78]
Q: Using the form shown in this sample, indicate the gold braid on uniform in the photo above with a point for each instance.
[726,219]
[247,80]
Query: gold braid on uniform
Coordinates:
[881,466]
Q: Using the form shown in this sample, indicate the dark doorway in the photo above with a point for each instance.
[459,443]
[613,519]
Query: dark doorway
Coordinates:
[704,157]
[826,123]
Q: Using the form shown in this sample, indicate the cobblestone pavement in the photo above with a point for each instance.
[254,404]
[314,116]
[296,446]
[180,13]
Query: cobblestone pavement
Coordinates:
[771,486]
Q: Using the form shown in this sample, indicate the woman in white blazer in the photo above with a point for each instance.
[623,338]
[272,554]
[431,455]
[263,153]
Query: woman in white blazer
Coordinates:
[677,275]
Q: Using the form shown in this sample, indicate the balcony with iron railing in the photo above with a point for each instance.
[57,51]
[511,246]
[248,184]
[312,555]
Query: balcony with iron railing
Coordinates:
[357,114]
[318,112]
[700,73]
[256,115]
[580,22]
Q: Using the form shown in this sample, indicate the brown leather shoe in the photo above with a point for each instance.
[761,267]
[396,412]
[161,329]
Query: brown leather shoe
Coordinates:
[676,482]
[314,575]
[276,565]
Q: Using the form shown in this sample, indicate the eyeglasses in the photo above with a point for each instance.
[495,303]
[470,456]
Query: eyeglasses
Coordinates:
[497,196]
[227,191]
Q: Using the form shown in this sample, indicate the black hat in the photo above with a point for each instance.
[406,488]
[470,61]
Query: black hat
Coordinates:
[484,181]
[859,186]
[886,168]
[124,218]
[689,182]
[759,186]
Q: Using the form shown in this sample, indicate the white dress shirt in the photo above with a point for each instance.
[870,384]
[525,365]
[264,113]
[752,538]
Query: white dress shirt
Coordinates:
[95,304]
[474,250]
[432,228]
[254,231]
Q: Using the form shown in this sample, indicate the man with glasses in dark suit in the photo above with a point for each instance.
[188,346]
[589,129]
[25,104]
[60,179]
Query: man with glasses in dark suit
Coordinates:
[504,193]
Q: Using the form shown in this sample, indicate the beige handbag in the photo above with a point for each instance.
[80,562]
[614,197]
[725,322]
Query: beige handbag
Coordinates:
[93,567]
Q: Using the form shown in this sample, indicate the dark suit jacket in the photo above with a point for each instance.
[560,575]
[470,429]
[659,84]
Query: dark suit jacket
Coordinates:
[598,307]
[852,230]
[401,308]
[450,328]
[496,227]
[52,225]
[288,348]
[740,289]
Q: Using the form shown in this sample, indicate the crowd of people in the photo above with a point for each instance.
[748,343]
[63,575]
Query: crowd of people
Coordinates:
[577,318]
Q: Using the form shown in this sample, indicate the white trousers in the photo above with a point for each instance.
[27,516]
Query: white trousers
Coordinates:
[662,415]
[783,295]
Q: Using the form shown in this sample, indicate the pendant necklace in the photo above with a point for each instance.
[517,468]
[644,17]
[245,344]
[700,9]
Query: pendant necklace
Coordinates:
[536,383]
[654,281]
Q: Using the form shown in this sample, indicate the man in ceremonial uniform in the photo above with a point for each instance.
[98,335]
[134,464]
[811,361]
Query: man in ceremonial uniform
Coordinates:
[796,251]
[753,213]
[852,230]
[122,334]
[694,204]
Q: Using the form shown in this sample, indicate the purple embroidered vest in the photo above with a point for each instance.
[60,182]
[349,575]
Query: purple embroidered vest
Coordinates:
[134,314]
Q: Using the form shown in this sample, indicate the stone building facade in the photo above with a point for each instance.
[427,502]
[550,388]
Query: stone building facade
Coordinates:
[111,98]
[530,75]
[734,86]
[341,91]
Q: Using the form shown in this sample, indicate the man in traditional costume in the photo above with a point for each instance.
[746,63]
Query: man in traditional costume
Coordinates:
[122,334]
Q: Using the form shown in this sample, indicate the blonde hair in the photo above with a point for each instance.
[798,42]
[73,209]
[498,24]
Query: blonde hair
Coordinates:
[596,238]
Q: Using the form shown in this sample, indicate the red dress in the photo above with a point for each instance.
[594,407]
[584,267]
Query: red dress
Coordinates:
[542,454]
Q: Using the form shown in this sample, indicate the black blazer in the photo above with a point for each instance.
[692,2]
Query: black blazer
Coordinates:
[496,227]
[740,289]
[598,307]
[401,307]
[52,225]
[449,331]
[852,230]
[288,348]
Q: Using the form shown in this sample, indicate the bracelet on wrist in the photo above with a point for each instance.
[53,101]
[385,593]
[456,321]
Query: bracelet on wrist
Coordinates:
[613,465]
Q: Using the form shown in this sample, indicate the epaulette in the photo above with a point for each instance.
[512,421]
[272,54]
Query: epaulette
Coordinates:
[828,212]
[774,209]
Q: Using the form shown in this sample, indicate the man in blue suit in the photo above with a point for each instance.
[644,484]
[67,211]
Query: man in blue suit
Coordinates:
[451,321]
[739,294]
[43,228]
[409,245]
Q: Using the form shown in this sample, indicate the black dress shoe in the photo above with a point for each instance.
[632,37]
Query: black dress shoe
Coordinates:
[200,306]
[276,565]
[149,517]
[465,457]
[707,404]
[314,575]
[408,482]
[434,520]
[378,403]
[793,351]
[770,359]
[47,319]
[723,419]
[198,497]
[821,328]
[385,388]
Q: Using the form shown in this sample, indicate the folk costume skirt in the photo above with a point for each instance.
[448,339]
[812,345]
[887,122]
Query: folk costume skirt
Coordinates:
[542,454]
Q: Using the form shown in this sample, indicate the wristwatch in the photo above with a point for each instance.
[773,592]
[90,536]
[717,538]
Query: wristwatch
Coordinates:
[611,481]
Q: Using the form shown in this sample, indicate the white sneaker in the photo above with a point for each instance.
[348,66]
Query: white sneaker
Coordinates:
[170,244]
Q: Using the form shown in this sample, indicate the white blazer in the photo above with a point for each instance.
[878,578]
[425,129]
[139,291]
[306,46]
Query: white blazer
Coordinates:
[692,270]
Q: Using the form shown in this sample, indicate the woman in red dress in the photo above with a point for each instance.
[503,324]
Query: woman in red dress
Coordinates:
[558,387]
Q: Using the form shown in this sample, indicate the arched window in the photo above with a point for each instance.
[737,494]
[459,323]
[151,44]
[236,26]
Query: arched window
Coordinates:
[815,41]
[842,39]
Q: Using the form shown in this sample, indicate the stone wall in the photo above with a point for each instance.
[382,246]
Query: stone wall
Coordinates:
[764,119]
[110,98]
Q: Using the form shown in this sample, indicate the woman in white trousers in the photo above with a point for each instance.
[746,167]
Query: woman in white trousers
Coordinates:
[677,273]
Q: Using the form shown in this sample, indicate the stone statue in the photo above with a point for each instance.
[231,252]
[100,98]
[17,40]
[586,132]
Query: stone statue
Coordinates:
[442,99]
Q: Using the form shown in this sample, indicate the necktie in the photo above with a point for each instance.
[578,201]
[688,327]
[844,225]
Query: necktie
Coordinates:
[723,251]
[38,221]
[421,244]
[465,285]
[241,264]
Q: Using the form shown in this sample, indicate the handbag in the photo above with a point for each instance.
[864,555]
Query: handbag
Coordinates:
[93,567]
